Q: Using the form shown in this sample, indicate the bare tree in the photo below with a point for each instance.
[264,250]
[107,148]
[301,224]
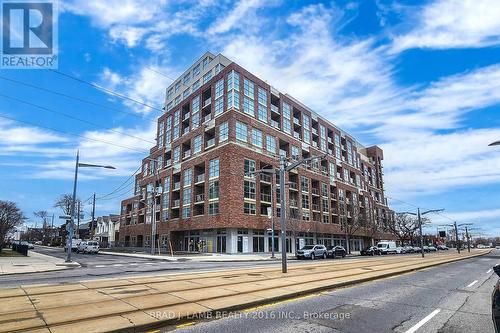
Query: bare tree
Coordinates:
[351,221]
[64,203]
[405,227]
[44,215]
[10,217]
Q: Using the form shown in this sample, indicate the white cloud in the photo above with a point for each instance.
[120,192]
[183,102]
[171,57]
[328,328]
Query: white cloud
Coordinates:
[235,17]
[11,134]
[445,24]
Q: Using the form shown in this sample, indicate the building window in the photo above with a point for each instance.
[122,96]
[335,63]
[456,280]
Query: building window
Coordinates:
[262,96]
[257,138]
[295,153]
[306,216]
[188,177]
[307,136]
[286,111]
[196,85]
[248,106]
[223,131]
[262,113]
[195,104]
[177,154]
[185,93]
[186,212]
[186,196]
[306,121]
[233,81]
[176,132]
[197,144]
[213,208]
[219,106]
[249,168]
[241,132]
[287,127]
[248,88]
[304,184]
[196,70]
[213,168]
[271,144]
[177,86]
[195,120]
[213,189]
[249,208]
[219,88]
[207,77]
[233,100]
[305,201]
[249,190]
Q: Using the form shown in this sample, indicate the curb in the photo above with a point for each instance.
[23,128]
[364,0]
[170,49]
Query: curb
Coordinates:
[270,300]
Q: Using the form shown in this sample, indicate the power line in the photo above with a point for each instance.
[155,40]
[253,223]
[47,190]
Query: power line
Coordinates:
[73,134]
[122,185]
[109,91]
[74,118]
[77,99]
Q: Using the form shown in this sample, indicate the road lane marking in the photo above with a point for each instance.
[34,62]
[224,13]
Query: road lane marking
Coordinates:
[472,283]
[100,266]
[489,271]
[118,265]
[423,321]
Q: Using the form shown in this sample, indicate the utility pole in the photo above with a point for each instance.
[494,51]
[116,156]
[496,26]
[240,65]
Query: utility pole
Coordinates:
[93,216]
[456,236]
[467,236]
[153,206]
[72,215]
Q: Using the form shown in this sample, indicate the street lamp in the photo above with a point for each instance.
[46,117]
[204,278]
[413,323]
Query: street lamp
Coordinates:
[71,225]
[285,167]
[420,224]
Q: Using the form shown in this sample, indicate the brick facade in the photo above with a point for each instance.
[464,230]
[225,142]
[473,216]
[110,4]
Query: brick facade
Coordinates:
[342,190]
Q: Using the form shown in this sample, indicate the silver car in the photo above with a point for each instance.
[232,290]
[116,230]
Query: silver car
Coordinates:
[312,252]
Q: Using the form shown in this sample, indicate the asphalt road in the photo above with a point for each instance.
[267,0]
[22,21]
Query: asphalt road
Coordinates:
[450,298]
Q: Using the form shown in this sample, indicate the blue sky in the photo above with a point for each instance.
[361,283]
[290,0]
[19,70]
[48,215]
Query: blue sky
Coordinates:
[421,79]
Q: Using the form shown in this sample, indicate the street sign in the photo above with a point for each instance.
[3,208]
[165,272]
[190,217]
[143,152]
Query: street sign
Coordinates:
[65,217]
[442,233]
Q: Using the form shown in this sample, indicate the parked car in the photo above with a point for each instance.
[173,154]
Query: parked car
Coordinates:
[91,247]
[387,247]
[426,249]
[417,249]
[336,252]
[409,249]
[371,251]
[38,243]
[30,245]
[495,301]
[432,249]
[312,252]
[400,250]
[442,247]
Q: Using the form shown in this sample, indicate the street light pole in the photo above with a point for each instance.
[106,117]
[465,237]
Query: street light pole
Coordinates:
[467,236]
[69,241]
[456,236]
[420,230]
[283,213]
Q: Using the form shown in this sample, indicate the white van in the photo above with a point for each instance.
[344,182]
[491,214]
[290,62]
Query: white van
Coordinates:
[387,247]
[88,247]
[74,245]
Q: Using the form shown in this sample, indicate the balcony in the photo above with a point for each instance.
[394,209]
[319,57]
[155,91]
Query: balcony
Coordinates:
[210,143]
[265,197]
[315,144]
[199,198]
[265,178]
[168,163]
[275,109]
[275,124]
[330,140]
[207,102]
[315,191]
[177,186]
[207,118]
[296,121]
[314,131]
[292,186]
[176,203]
[293,203]
[186,117]
[200,178]
[185,131]
[187,153]
[296,135]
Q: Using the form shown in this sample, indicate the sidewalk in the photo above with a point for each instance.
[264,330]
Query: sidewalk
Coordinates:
[141,303]
[33,263]
[209,257]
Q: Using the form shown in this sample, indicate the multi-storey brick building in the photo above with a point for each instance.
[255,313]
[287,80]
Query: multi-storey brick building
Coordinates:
[220,124]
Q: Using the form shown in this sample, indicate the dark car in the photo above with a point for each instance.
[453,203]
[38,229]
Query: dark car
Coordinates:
[371,251]
[495,301]
[336,252]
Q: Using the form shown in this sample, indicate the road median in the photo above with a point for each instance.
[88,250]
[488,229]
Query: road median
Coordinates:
[136,304]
